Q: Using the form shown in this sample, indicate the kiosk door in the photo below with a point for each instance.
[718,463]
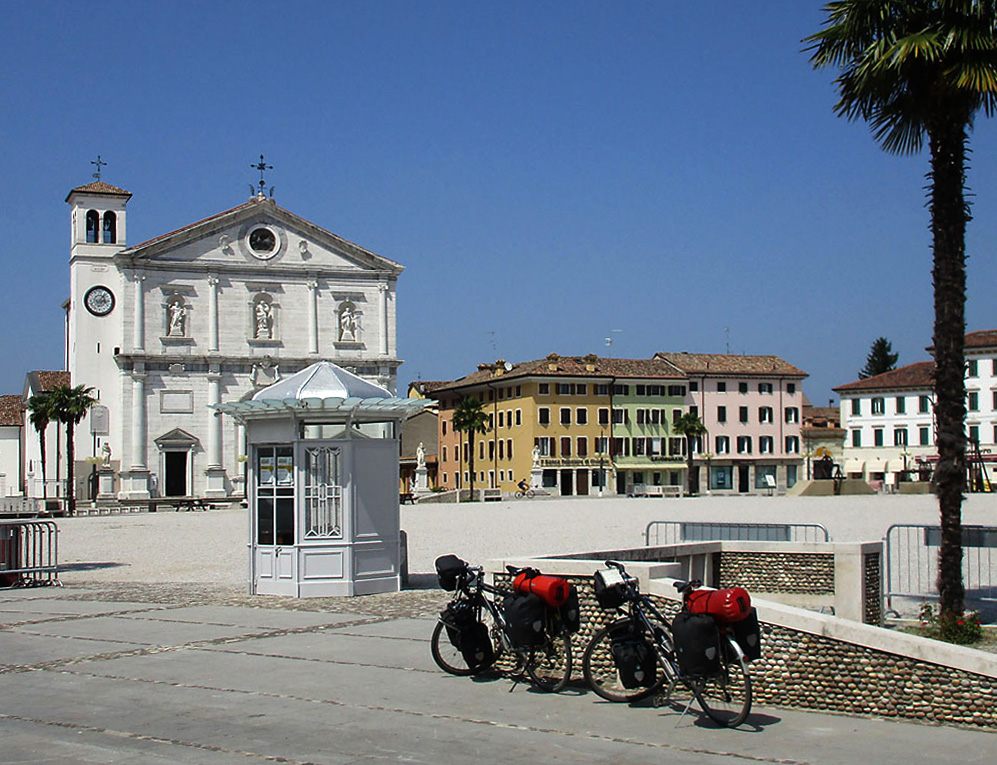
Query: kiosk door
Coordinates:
[275,555]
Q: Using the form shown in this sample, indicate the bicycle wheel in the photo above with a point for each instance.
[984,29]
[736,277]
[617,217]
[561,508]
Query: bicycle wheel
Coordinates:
[726,697]
[450,659]
[549,666]
[601,673]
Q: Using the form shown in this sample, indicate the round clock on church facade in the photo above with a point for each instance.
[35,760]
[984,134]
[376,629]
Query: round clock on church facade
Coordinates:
[99,300]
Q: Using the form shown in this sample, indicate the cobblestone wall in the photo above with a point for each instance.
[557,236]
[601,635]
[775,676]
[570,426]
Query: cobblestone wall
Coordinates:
[798,669]
[809,573]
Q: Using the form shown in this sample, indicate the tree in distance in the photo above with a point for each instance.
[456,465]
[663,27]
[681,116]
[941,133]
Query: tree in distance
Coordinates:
[881,359]
[470,418]
[690,426]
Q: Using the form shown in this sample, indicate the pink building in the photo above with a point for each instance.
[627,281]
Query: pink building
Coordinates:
[752,407]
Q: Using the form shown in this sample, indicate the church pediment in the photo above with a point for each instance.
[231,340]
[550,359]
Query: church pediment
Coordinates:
[178,438]
[257,234]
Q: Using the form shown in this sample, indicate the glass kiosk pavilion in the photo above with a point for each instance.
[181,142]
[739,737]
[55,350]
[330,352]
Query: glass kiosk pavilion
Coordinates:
[322,484]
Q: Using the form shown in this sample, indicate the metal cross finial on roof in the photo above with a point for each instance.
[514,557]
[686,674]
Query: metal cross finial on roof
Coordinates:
[99,163]
[262,166]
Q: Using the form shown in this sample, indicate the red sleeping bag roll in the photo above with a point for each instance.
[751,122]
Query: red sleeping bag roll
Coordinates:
[728,605]
[552,590]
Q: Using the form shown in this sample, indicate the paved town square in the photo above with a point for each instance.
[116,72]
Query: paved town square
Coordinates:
[153,652]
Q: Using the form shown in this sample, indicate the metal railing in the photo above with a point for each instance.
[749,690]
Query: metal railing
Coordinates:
[676,532]
[29,553]
[912,563]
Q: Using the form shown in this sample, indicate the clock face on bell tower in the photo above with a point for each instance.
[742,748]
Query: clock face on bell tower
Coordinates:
[99,300]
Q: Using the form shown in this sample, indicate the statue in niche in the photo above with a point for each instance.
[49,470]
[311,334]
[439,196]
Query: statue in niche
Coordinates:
[349,323]
[264,320]
[176,314]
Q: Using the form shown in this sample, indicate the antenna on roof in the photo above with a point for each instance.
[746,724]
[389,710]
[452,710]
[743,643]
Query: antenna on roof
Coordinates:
[727,339]
[609,340]
[494,344]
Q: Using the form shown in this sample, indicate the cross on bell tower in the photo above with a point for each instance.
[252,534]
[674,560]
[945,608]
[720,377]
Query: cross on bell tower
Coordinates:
[99,163]
[262,166]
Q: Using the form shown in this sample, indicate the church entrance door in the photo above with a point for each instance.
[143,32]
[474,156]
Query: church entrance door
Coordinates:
[175,483]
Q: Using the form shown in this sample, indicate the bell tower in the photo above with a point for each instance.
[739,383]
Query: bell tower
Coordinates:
[97,305]
[98,218]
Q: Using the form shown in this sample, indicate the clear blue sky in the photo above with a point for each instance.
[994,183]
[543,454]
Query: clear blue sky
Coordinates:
[548,172]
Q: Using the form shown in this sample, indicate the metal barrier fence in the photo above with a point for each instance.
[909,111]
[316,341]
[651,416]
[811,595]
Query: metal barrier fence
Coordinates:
[676,532]
[912,563]
[29,553]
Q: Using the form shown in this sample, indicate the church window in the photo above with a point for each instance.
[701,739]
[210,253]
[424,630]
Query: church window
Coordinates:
[110,228]
[93,226]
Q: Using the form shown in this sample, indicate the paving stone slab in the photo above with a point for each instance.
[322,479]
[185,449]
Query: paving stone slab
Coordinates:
[11,611]
[251,618]
[136,631]
[19,649]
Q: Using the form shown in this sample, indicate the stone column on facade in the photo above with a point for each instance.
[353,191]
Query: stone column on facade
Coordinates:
[138,337]
[135,481]
[213,313]
[215,472]
[312,315]
[383,288]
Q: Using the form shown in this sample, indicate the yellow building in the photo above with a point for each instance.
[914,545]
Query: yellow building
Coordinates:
[551,423]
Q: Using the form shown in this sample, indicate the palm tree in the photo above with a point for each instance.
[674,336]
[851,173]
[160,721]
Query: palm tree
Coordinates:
[690,426]
[470,418]
[41,414]
[70,406]
[916,69]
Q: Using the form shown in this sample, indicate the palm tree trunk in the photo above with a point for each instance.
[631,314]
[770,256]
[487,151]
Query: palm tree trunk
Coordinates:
[949,216]
[41,439]
[70,459]
[470,460]
[693,489]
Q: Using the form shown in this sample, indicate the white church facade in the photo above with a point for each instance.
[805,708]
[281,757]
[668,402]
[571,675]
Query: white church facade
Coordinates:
[208,314]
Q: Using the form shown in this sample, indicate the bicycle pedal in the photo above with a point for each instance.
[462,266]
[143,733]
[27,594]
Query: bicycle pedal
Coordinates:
[663,696]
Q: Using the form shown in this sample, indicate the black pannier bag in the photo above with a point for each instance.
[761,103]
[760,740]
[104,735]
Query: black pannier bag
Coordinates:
[697,644]
[748,634]
[525,617]
[610,589]
[634,657]
[571,614]
[468,635]
[476,646]
[449,569]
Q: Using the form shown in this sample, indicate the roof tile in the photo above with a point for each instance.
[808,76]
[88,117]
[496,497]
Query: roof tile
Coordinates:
[728,364]
[920,375]
[11,411]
